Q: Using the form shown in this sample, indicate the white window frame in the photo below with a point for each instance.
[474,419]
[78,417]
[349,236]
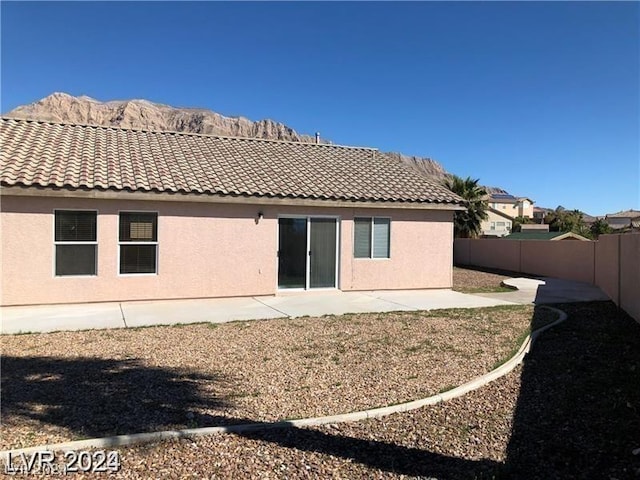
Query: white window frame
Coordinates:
[56,243]
[156,243]
[370,257]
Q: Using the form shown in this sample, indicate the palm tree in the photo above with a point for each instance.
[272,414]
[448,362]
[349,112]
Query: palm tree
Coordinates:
[467,223]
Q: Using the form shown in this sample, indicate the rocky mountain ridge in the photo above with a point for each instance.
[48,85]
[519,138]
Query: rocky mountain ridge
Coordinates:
[143,114]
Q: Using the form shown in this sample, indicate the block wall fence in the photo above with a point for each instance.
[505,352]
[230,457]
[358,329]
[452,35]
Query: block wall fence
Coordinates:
[612,262]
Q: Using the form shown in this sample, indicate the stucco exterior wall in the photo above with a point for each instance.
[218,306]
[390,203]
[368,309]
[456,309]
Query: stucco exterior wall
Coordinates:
[208,250]
[510,209]
[421,253]
[191,239]
[525,209]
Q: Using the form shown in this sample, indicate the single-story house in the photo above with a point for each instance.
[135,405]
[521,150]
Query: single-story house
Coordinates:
[628,219]
[552,236]
[93,213]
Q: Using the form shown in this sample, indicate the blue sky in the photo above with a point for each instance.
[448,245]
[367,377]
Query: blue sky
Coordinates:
[541,99]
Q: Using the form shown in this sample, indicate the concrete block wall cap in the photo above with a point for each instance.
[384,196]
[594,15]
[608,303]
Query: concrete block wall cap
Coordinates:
[138,438]
[522,283]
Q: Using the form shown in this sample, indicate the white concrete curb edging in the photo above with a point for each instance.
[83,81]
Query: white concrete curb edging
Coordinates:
[137,438]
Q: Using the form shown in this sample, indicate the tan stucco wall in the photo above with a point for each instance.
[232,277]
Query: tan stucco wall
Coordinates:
[462,251]
[606,265]
[630,274]
[569,260]
[526,210]
[417,239]
[510,209]
[496,253]
[208,250]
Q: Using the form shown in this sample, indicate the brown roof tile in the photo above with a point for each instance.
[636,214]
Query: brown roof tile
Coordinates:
[46,154]
[624,214]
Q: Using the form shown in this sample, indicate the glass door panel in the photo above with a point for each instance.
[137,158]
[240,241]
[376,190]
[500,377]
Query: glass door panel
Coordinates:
[322,261]
[292,253]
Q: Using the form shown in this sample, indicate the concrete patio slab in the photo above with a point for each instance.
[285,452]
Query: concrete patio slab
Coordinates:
[555,290]
[51,318]
[522,283]
[334,302]
[214,310]
[435,299]
[548,291]
[48,318]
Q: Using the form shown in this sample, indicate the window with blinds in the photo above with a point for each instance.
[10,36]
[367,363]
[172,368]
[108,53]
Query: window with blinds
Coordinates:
[75,242]
[372,237]
[138,241]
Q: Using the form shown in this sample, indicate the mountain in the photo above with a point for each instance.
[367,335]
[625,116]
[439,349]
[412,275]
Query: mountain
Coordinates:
[143,114]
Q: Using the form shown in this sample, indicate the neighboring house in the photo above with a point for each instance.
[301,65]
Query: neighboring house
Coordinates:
[502,211]
[553,236]
[590,219]
[497,224]
[92,213]
[540,213]
[626,219]
[510,205]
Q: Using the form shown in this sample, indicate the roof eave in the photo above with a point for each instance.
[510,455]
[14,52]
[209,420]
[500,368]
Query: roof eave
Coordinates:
[502,214]
[56,192]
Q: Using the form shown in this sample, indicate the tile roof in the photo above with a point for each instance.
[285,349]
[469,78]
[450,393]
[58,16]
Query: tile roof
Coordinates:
[44,154]
[625,214]
[502,198]
[543,236]
[502,214]
[506,198]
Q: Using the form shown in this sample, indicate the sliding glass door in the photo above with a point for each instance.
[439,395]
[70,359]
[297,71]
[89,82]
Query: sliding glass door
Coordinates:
[322,251]
[292,253]
[307,252]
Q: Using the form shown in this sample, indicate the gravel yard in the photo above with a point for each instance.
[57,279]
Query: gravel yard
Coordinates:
[468,280]
[572,410]
[71,385]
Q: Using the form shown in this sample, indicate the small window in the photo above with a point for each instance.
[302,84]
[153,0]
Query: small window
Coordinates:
[138,242]
[500,224]
[75,242]
[372,237]
[493,225]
